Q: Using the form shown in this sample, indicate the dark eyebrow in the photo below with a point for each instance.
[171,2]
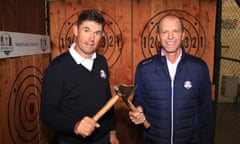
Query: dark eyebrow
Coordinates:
[99,31]
[86,27]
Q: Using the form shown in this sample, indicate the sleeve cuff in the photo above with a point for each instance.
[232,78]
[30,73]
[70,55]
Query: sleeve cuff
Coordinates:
[113,132]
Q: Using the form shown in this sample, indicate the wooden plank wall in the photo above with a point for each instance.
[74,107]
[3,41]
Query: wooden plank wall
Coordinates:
[131,37]
[130,23]
[20,77]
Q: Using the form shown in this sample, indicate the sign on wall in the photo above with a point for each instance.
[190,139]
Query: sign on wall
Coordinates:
[14,44]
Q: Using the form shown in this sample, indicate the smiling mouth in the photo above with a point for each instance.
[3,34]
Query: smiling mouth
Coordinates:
[171,43]
[89,44]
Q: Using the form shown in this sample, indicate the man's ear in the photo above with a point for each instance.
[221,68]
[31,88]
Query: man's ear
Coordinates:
[75,30]
[158,43]
[183,34]
[103,34]
[158,37]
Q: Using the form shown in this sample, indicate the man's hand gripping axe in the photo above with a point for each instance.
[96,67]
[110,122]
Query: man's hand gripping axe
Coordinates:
[124,92]
[128,91]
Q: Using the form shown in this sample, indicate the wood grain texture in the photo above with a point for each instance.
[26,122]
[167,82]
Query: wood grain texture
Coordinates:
[130,38]
[135,23]
[20,77]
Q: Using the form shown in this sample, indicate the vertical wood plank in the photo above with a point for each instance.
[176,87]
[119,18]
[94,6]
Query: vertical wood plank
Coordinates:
[207,17]
[57,16]
[10,19]
[5,73]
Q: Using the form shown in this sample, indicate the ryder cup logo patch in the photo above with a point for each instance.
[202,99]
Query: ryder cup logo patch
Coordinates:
[103,74]
[187,84]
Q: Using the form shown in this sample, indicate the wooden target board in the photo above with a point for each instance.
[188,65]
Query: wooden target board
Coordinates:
[131,30]
[111,44]
[130,36]
[23,106]
[195,37]
[20,104]
[115,45]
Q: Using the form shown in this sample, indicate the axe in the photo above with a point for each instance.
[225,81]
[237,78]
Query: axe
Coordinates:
[111,102]
[125,92]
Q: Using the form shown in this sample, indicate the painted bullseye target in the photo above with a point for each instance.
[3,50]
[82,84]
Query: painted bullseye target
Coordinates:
[195,39]
[23,106]
[111,44]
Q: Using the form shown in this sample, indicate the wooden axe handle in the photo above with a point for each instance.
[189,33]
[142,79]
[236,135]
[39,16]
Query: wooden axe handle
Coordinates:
[105,108]
[133,108]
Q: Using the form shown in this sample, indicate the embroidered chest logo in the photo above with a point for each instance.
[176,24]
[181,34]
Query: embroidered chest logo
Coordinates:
[103,74]
[187,84]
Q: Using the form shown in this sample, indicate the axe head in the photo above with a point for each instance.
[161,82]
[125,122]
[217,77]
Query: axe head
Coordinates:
[124,91]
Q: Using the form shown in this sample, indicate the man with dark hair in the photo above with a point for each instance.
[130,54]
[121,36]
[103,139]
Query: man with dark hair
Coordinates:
[173,91]
[76,85]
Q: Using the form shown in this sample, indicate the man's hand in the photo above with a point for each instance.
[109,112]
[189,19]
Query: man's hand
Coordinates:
[137,117]
[85,127]
[113,138]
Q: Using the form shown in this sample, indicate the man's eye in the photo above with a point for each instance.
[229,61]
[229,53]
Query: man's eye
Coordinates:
[164,32]
[176,31]
[86,30]
[98,33]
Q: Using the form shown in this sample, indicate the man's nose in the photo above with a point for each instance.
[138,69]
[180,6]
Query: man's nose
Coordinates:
[92,36]
[170,35]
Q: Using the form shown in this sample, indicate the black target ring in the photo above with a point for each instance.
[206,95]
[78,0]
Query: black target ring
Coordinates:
[195,39]
[23,106]
[111,44]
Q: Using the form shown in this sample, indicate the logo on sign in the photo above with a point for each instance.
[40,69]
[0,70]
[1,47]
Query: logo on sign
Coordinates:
[6,45]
